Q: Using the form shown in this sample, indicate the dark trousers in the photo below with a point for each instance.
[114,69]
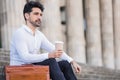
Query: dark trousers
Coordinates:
[59,70]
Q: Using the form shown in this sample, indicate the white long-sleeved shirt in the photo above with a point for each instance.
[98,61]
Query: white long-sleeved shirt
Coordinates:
[25,47]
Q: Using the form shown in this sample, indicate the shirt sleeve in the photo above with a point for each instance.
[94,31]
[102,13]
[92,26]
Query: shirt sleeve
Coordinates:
[22,50]
[48,46]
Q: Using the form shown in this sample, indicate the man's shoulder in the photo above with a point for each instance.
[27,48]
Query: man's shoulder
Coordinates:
[19,30]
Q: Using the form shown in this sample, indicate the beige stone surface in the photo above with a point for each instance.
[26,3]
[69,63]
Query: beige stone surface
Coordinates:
[116,12]
[107,33]
[93,34]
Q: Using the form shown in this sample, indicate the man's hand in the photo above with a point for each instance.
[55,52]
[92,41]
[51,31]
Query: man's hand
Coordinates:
[55,54]
[76,67]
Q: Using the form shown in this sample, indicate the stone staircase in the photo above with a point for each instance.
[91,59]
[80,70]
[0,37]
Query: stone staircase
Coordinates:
[4,57]
[87,73]
[97,73]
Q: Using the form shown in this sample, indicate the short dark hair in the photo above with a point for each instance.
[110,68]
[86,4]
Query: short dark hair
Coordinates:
[32,4]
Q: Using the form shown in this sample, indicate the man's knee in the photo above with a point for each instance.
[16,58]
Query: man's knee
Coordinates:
[65,64]
[52,60]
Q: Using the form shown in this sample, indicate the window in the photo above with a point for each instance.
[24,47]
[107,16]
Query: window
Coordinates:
[63,15]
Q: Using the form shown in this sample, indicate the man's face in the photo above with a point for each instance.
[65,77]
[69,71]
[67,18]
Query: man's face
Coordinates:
[35,17]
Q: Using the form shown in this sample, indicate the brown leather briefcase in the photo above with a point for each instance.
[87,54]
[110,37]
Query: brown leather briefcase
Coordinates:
[27,72]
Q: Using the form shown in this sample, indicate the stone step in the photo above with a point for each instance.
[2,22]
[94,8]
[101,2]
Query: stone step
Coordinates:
[90,73]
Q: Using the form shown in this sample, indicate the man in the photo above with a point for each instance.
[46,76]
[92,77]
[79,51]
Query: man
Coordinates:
[27,41]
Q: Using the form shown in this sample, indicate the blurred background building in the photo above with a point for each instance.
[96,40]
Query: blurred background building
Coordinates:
[90,29]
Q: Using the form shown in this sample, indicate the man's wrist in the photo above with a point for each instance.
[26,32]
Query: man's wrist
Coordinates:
[72,62]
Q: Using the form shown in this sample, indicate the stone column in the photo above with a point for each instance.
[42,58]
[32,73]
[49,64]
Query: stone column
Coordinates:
[12,18]
[3,21]
[107,33]
[116,8]
[51,26]
[75,30]
[12,13]
[93,37]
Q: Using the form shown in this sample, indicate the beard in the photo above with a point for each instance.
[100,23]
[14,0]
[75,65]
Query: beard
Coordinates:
[36,23]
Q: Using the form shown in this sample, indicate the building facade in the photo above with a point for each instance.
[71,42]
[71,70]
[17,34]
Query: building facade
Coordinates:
[89,28]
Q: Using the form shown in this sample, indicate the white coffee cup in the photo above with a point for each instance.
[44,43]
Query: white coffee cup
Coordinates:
[59,45]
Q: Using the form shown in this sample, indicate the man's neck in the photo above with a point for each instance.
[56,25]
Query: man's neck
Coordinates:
[31,27]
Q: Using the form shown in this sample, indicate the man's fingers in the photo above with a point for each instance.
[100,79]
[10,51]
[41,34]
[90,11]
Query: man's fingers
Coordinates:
[59,51]
[57,55]
[78,69]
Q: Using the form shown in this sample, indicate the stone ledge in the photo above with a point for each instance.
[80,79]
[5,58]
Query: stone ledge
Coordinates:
[90,73]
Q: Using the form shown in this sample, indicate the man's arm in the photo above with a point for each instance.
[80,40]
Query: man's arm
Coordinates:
[20,44]
[58,54]
[48,46]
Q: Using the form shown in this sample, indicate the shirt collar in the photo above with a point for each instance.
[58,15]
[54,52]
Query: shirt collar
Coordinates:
[28,29]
